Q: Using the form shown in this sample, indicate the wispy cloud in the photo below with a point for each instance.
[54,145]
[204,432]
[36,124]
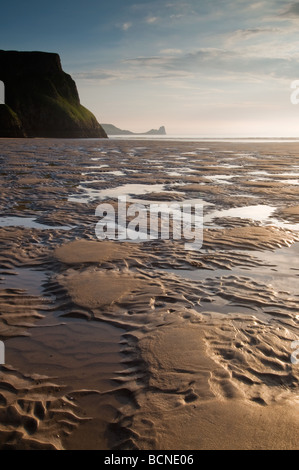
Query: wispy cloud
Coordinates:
[126,26]
[151,19]
[253,32]
[176,16]
[171,51]
[292,10]
[180,69]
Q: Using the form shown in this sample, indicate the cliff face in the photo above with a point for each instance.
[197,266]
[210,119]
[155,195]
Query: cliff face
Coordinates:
[41,100]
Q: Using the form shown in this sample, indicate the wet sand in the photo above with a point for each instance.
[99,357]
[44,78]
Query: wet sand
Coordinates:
[126,345]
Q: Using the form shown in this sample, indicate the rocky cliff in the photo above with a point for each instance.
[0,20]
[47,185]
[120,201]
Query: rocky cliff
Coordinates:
[113,130]
[41,100]
[160,131]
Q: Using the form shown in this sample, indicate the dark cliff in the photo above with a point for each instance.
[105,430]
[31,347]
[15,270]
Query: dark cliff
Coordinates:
[41,100]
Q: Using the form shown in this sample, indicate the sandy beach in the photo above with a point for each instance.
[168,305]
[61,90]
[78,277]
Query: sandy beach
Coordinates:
[146,345]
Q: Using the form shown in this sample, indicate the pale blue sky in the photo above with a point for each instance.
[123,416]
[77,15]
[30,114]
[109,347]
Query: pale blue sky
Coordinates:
[218,67]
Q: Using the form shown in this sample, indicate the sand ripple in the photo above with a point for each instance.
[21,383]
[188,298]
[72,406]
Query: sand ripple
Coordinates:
[145,345]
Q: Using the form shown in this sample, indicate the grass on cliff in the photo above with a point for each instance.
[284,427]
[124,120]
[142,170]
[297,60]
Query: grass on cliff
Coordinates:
[74,111]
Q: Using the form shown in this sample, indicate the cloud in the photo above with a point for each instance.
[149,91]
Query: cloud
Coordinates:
[293,10]
[126,26]
[256,5]
[252,64]
[255,31]
[171,51]
[177,16]
[245,34]
[100,75]
[151,19]
[255,53]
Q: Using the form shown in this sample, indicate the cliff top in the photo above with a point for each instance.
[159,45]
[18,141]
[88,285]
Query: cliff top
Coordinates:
[19,63]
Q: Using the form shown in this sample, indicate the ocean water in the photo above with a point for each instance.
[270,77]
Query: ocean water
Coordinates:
[199,138]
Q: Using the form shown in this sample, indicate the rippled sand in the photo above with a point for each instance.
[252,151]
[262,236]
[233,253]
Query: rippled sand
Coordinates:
[122,345]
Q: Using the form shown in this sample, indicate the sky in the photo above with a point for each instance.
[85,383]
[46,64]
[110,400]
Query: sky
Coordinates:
[208,68]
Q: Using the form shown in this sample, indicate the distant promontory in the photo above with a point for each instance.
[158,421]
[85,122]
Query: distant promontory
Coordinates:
[113,130]
[41,100]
